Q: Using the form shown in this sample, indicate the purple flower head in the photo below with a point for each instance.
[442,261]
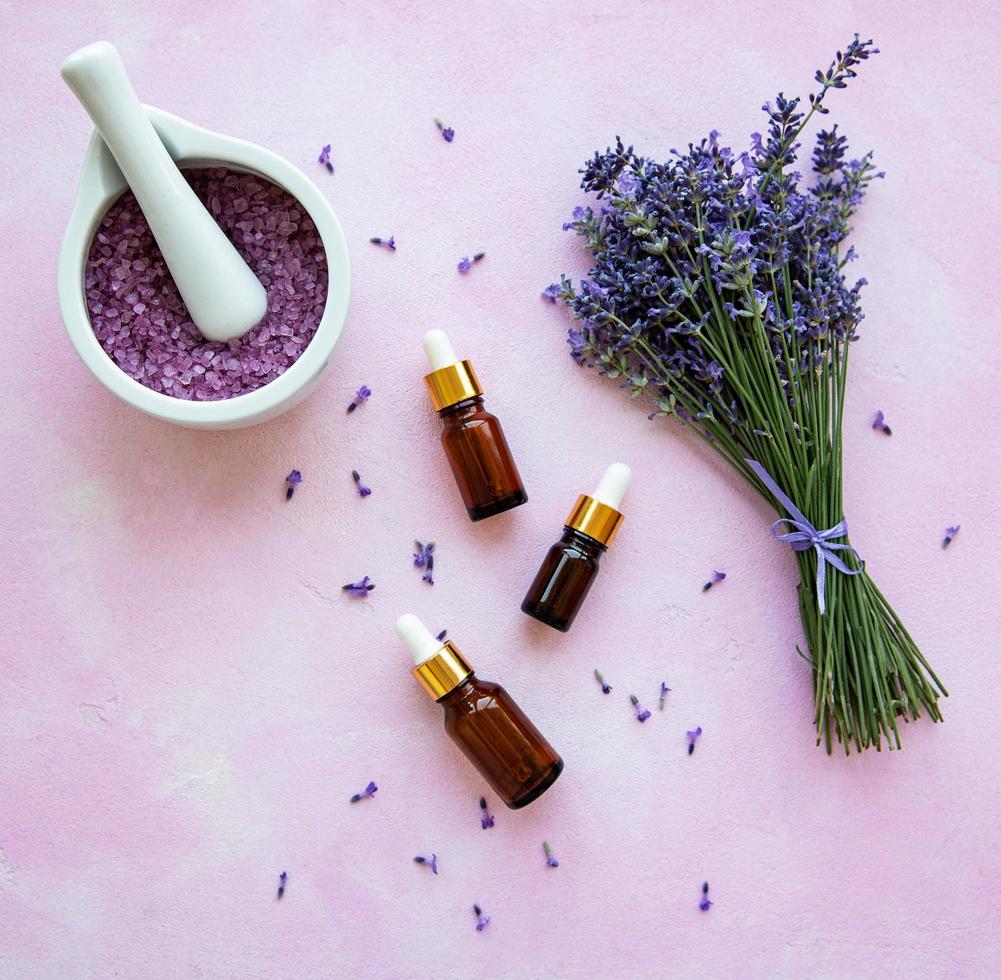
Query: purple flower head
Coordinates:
[481,919]
[605,686]
[291,482]
[282,879]
[389,243]
[367,793]
[363,490]
[552,292]
[424,558]
[324,158]
[693,737]
[359,590]
[447,133]
[704,903]
[486,818]
[950,532]
[627,183]
[717,577]
[466,263]
[879,422]
[431,862]
[641,713]
[579,215]
[362,395]
[664,689]
[550,857]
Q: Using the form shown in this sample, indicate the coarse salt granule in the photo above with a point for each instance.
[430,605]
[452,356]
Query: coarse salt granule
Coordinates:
[142,323]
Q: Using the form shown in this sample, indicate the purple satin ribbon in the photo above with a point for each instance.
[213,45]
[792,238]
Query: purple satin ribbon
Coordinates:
[806,536]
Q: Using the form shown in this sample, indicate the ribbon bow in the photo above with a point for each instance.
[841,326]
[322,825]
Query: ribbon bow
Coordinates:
[806,536]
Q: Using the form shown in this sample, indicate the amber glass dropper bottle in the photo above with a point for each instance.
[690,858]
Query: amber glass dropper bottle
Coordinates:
[569,569]
[482,719]
[472,438]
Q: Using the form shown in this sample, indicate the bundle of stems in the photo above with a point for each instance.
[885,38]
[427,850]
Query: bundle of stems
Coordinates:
[718,291]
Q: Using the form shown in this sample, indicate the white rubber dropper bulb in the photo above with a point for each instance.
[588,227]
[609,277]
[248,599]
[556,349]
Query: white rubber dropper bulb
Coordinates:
[421,642]
[612,487]
[439,349]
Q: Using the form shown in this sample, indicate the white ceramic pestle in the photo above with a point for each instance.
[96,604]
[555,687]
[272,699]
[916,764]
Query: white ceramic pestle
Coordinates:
[222,294]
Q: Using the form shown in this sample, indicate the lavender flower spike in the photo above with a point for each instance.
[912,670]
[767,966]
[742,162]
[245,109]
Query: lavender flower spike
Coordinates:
[367,793]
[359,590]
[664,689]
[363,490]
[362,395]
[481,919]
[879,422]
[431,862]
[389,243]
[950,532]
[282,879]
[550,858]
[717,577]
[641,713]
[486,818]
[605,686]
[693,737]
[292,481]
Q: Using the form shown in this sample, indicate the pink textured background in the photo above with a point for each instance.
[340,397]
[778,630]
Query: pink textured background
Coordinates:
[187,700]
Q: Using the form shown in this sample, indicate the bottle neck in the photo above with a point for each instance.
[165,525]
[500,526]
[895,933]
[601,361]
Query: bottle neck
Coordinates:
[585,542]
[460,409]
[459,691]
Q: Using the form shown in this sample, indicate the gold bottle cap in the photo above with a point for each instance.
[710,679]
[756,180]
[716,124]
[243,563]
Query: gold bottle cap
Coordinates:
[443,671]
[595,519]
[452,384]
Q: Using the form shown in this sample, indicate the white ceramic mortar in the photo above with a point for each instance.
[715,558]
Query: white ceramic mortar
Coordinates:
[101,183]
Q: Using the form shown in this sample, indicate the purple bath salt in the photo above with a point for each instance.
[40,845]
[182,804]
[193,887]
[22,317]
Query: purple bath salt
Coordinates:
[142,323]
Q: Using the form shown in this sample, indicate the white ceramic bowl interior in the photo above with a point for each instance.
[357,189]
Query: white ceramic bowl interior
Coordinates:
[101,183]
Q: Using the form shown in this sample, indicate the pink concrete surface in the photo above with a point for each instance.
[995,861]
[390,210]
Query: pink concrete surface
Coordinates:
[187,700]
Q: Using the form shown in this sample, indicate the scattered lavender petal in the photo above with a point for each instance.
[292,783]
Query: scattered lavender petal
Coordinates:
[367,793]
[324,158]
[466,263]
[447,133]
[693,737]
[704,903]
[441,636]
[292,481]
[481,919]
[389,243]
[664,689]
[486,818]
[362,395]
[717,577]
[641,713]
[282,879]
[550,857]
[599,677]
[950,532]
[431,862]
[359,590]
[879,422]
[363,490]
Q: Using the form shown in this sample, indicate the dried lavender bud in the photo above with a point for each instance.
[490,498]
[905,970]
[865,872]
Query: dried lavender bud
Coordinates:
[717,577]
[447,133]
[367,793]
[441,636]
[605,687]
[282,879]
[324,158]
[359,590]
[466,263]
[292,481]
[693,737]
[431,862]
[424,558]
[641,713]
[481,919]
[879,422]
[486,819]
[550,858]
[389,243]
[363,490]
[664,690]
[704,902]
[362,395]
[552,292]
[950,533]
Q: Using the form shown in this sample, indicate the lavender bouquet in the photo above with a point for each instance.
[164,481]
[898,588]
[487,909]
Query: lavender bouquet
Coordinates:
[718,291]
